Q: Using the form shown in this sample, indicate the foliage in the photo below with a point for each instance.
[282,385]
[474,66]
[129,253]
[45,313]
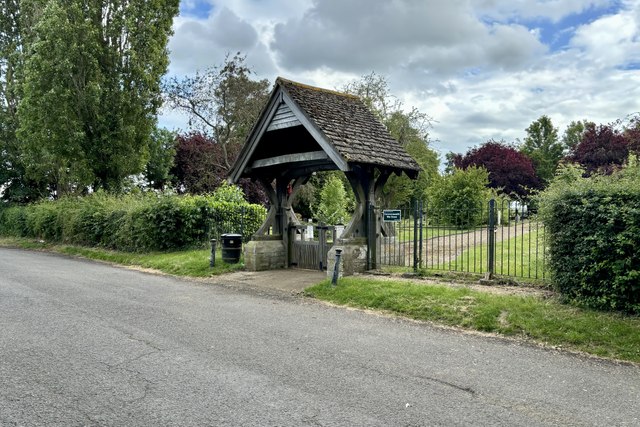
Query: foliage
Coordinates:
[228,193]
[459,198]
[197,167]
[14,26]
[92,89]
[410,128]
[162,151]
[510,171]
[573,134]
[332,204]
[593,229]
[134,222]
[222,102]
[603,148]
[632,133]
[407,129]
[543,148]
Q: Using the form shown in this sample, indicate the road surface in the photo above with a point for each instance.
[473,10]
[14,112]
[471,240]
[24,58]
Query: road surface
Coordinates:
[87,344]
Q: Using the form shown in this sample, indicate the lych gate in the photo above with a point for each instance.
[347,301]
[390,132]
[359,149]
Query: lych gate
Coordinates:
[302,130]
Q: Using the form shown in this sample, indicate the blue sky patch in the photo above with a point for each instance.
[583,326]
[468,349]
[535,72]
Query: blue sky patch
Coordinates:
[557,35]
[635,65]
[196,8]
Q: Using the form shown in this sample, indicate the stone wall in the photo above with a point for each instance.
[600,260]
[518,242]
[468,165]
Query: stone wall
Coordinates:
[265,254]
[353,259]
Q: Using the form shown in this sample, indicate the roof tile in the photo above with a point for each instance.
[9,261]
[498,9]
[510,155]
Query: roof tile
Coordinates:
[349,125]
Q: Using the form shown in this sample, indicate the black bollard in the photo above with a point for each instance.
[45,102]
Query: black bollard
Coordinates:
[336,268]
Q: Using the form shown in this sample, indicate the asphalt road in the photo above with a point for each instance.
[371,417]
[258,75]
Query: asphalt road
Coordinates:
[83,343]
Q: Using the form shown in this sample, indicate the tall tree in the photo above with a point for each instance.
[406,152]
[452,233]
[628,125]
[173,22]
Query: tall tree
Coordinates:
[197,168]
[573,134]
[510,171]
[543,148]
[222,102]
[603,148]
[92,89]
[14,29]
[632,134]
[162,151]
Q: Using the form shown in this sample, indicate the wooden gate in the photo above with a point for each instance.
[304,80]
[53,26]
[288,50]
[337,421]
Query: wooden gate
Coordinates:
[308,245]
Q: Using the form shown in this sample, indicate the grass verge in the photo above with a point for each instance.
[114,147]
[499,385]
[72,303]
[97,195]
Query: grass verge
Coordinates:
[543,320]
[193,263]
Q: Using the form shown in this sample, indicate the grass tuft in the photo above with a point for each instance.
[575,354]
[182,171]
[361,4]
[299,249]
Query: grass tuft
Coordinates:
[544,320]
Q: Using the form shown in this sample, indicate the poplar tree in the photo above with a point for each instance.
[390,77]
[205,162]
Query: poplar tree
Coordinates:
[91,89]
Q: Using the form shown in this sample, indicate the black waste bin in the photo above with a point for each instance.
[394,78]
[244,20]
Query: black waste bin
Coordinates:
[231,247]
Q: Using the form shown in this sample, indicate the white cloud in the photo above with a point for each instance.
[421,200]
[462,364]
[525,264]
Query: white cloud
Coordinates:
[553,10]
[201,42]
[471,65]
[431,37]
[612,40]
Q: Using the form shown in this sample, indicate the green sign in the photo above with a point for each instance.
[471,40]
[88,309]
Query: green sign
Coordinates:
[391,215]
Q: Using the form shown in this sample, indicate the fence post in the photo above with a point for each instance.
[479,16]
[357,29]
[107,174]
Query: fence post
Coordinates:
[492,240]
[242,214]
[415,235]
[421,212]
[371,237]
[322,247]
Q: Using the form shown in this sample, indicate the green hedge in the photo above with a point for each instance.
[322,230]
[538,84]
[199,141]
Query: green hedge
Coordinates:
[140,222]
[593,231]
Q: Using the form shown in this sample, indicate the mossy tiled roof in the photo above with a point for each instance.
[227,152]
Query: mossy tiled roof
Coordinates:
[349,126]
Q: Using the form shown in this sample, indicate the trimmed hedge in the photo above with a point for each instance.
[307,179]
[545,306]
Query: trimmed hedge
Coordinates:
[141,222]
[593,231]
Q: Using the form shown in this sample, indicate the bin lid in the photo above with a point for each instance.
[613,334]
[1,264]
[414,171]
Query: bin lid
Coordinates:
[231,235]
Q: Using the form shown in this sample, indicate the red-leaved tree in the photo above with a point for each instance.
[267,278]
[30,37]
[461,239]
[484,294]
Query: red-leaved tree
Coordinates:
[510,171]
[603,148]
[632,135]
[200,167]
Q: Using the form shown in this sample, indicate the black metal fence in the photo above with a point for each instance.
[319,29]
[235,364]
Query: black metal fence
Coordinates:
[244,220]
[502,237]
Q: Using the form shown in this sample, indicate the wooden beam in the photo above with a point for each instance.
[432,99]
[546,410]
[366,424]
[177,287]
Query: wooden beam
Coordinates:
[290,158]
[320,138]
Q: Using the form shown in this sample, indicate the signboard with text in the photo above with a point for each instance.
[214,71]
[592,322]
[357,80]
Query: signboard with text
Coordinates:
[391,215]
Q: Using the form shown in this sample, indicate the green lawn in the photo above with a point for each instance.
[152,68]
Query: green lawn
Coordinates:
[194,263]
[520,256]
[406,232]
[543,320]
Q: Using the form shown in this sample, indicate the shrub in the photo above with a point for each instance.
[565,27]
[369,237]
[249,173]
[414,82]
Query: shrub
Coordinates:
[140,222]
[460,198]
[593,231]
[332,206]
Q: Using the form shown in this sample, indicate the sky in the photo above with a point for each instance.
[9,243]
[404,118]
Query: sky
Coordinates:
[481,69]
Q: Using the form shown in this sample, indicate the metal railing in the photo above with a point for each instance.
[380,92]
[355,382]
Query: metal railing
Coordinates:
[500,238]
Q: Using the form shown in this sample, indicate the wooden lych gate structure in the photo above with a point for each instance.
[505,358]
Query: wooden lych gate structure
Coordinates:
[302,130]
